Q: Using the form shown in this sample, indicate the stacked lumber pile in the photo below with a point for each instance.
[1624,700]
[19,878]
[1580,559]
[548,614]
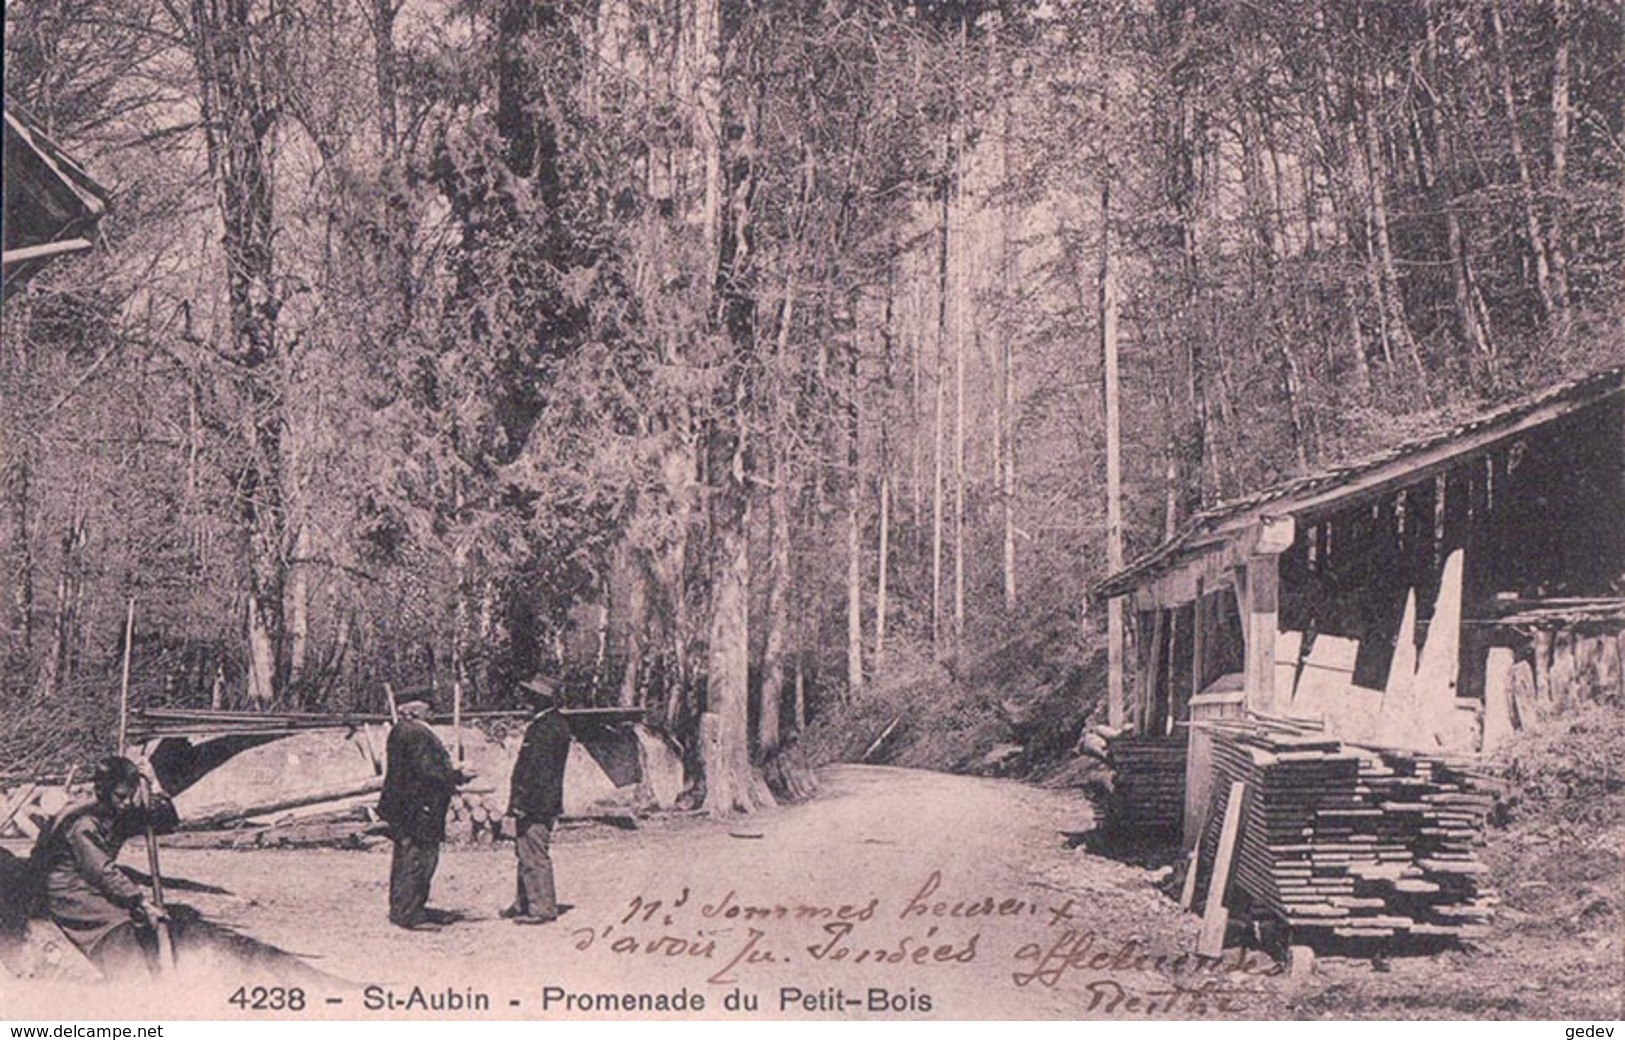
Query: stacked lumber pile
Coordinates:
[1344,842]
[1148,786]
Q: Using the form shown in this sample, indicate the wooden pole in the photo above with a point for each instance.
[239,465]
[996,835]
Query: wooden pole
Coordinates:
[394,712]
[166,942]
[1114,466]
[17,806]
[124,680]
[1198,641]
[457,716]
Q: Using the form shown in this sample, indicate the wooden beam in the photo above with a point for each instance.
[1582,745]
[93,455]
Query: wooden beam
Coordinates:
[1114,662]
[45,251]
[1148,686]
[1187,886]
[1198,642]
[1262,625]
[1162,708]
[1215,915]
[1199,771]
[1213,568]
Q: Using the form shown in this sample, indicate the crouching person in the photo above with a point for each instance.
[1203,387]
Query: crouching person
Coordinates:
[103,912]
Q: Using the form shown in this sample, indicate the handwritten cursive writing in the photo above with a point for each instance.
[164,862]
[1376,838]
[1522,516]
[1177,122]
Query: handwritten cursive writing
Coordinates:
[1084,951]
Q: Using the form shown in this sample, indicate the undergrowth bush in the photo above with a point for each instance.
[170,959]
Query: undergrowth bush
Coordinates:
[1014,708]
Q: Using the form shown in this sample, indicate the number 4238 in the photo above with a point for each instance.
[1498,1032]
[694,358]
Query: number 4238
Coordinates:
[268,998]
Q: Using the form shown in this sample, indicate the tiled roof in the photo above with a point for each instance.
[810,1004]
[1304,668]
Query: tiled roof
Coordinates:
[1289,496]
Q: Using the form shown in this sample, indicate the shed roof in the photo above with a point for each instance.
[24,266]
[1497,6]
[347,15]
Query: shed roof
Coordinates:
[1338,487]
[51,203]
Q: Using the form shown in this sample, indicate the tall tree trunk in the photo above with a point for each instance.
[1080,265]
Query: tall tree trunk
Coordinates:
[606,611]
[960,259]
[1114,457]
[939,424]
[637,622]
[1435,160]
[481,689]
[917,417]
[961,307]
[778,604]
[1561,108]
[780,575]
[65,620]
[1392,299]
[888,368]
[1261,207]
[854,520]
[1526,182]
[382,17]
[1337,149]
[235,72]
[299,605]
[1005,458]
[732,782]
[22,599]
[884,566]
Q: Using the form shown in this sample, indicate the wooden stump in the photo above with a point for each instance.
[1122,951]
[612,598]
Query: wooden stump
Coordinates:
[1543,671]
[1497,698]
[1610,682]
[1563,674]
[1300,962]
[1521,694]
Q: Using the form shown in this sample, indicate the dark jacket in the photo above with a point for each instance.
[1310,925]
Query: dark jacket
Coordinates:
[538,773]
[418,783]
[76,857]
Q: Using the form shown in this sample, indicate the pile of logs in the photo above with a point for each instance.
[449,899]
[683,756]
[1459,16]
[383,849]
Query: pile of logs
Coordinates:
[1341,842]
[475,819]
[1148,786]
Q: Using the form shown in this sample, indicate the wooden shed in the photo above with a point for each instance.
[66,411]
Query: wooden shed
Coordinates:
[1432,596]
[52,205]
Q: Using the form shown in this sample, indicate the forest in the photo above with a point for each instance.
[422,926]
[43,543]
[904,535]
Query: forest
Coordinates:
[723,356]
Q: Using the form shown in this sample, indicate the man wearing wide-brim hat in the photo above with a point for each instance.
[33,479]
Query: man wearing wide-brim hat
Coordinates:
[536,801]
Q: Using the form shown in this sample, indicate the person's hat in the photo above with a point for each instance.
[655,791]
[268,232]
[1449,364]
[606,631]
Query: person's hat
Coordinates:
[414,707]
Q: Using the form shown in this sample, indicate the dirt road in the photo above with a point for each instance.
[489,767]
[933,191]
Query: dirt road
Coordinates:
[894,894]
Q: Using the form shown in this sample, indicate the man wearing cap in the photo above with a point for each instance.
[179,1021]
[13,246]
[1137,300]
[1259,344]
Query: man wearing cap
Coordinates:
[536,801]
[418,785]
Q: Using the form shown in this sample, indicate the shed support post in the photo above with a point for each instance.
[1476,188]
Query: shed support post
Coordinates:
[1263,595]
[1114,662]
[1198,640]
[1260,620]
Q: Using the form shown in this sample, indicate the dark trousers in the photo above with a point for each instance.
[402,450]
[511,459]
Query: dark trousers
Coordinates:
[411,869]
[536,896]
